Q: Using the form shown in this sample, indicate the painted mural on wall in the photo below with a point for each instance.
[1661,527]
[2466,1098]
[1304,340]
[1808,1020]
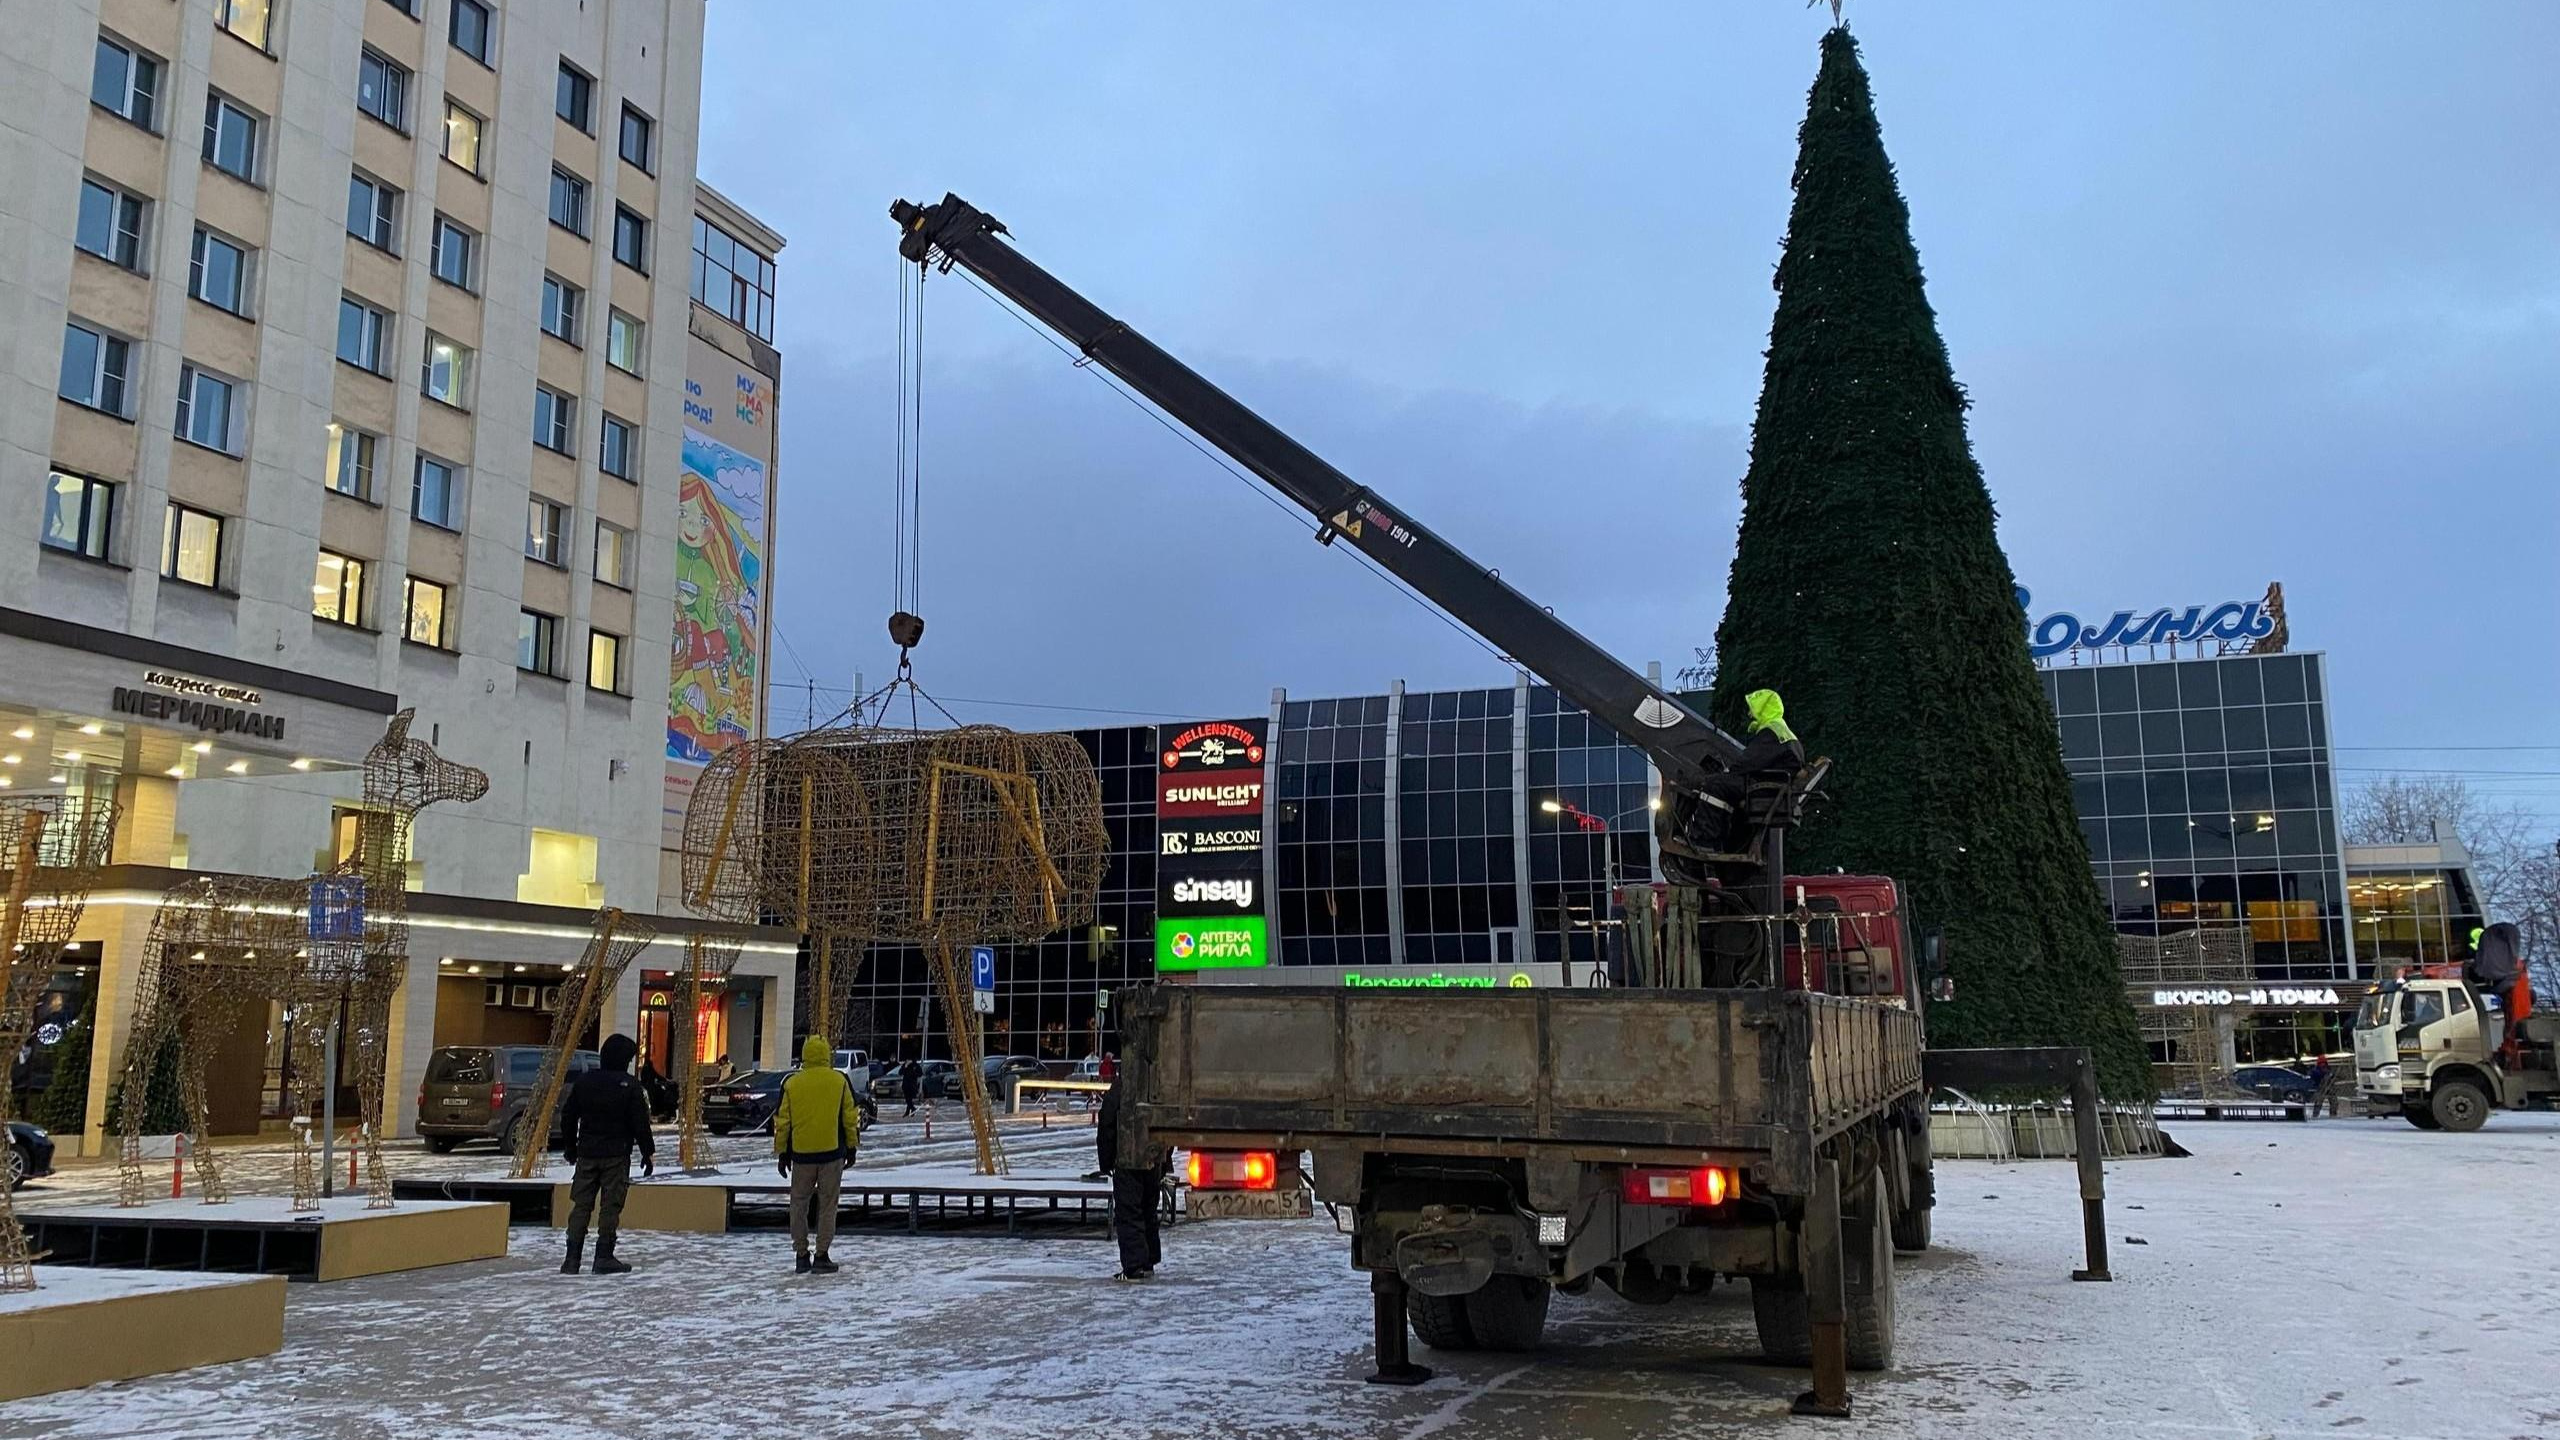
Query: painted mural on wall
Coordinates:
[720,581]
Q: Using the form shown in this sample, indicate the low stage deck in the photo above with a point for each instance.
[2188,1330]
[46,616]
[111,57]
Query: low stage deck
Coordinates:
[745,1196]
[81,1327]
[264,1235]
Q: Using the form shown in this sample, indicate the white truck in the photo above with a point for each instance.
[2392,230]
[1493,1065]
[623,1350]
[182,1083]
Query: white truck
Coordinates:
[2446,1044]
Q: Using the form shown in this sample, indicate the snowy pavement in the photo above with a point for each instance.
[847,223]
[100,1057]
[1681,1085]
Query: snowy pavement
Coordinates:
[2343,1277]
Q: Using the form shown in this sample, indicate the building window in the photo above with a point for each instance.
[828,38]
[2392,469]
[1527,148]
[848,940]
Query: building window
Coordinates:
[244,18]
[230,138]
[93,368]
[561,302]
[448,372]
[218,273]
[126,82]
[538,642]
[621,454]
[436,497]
[405,7]
[604,661]
[79,514]
[544,527]
[613,553]
[110,224]
[337,588]
[630,238]
[382,91]
[623,343]
[191,546]
[373,212]
[555,420]
[450,255]
[569,202]
[206,406]
[462,132]
[364,335]
[639,133]
[470,29]
[423,613]
[732,279]
[575,101]
[351,461]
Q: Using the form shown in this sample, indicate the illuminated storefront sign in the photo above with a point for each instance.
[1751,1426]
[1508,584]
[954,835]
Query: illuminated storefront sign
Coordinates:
[2230,622]
[2215,996]
[1210,943]
[1210,905]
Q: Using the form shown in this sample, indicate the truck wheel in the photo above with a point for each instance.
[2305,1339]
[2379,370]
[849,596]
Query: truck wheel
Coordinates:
[1439,1321]
[2420,1116]
[1785,1319]
[1509,1313]
[1911,1229]
[1866,1246]
[2459,1105]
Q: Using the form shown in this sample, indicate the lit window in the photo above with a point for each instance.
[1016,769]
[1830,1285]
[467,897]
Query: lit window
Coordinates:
[543,540]
[561,302]
[436,496]
[350,463]
[448,372]
[575,101]
[364,334]
[555,420]
[382,91]
[207,406]
[462,133]
[110,225]
[622,343]
[230,138]
[244,18]
[621,453]
[450,255]
[79,514]
[93,368]
[470,29]
[425,611]
[630,238]
[569,202]
[639,134]
[538,642]
[373,212]
[604,661]
[613,552]
[126,82]
[218,272]
[191,545]
[337,589]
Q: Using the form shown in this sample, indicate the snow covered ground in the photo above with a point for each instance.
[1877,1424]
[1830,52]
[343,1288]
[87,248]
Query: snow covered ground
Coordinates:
[2343,1277]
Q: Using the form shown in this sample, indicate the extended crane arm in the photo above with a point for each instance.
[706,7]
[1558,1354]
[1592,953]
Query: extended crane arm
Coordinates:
[1680,742]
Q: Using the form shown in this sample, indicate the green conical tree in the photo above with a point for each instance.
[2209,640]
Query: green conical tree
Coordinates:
[64,1106]
[1869,590]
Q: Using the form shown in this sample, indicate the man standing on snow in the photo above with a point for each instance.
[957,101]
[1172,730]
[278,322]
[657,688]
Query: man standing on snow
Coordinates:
[816,1128]
[1136,1190]
[605,1116]
[911,1080]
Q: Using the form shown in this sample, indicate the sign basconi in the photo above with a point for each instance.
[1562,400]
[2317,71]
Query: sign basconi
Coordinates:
[2258,995]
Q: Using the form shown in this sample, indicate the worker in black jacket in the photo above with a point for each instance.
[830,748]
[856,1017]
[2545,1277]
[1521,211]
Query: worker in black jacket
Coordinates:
[605,1116]
[1136,1190]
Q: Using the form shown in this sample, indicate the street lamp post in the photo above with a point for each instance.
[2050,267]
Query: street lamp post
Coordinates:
[1607,829]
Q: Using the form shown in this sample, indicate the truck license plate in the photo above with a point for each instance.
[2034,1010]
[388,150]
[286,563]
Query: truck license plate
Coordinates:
[1247,1205]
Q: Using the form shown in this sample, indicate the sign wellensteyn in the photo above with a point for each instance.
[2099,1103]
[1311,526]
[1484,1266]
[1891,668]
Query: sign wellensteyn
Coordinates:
[207,705]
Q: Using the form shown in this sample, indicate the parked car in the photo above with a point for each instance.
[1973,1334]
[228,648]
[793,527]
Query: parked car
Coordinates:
[748,1102]
[937,1083]
[29,1155]
[2277,1082]
[480,1092]
[1003,1072]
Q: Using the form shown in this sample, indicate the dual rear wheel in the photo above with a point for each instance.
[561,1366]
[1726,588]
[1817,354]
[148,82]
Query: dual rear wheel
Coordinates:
[1509,1313]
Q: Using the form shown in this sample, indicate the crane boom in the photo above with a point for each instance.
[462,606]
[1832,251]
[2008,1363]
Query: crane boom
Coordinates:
[1687,749]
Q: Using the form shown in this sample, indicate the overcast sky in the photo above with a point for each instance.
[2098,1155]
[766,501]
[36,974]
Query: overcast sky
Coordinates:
[2240,293]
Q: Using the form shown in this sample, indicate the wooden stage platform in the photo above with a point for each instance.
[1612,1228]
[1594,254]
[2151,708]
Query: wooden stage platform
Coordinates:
[912,1197]
[264,1235]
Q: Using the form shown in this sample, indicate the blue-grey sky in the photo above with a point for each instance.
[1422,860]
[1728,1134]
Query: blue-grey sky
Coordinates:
[2240,293]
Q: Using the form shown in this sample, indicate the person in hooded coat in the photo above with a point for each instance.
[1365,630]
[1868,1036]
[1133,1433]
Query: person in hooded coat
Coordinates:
[1769,748]
[604,1118]
[816,1128]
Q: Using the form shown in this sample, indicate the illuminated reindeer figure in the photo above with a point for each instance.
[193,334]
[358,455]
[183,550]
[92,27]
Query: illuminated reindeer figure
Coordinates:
[337,938]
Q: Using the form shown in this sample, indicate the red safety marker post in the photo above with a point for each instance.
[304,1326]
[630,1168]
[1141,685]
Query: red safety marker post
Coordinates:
[178,1169]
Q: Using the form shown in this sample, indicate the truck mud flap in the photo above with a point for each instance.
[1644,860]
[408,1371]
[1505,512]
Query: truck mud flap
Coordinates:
[1445,1262]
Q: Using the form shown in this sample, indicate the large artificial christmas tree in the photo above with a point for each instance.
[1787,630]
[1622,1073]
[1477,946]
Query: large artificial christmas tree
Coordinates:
[1869,589]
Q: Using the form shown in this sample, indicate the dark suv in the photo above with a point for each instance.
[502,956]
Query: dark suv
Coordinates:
[480,1092]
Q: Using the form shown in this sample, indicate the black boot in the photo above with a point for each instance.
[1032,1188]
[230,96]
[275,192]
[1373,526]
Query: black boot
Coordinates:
[606,1264]
[577,1249]
[822,1265]
[799,1264]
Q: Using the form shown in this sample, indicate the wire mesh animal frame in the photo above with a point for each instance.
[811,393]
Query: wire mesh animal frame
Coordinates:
[51,850]
[618,940]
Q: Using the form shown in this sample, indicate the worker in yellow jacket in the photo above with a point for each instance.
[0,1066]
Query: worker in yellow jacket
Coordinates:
[816,1128]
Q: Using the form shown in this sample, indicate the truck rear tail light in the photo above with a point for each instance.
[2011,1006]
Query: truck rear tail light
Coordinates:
[1707,1185]
[1232,1170]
